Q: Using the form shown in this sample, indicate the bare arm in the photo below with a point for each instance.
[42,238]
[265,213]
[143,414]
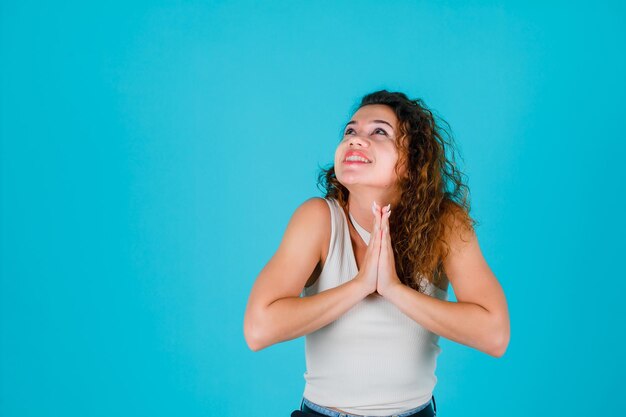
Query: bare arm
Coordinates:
[292,317]
[275,311]
[463,322]
[480,318]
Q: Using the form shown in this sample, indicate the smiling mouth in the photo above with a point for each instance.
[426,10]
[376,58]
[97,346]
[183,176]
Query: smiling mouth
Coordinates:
[357,159]
[356,162]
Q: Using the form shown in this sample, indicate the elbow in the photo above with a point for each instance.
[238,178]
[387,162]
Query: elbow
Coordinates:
[499,350]
[252,342]
[501,343]
[255,343]
[253,335]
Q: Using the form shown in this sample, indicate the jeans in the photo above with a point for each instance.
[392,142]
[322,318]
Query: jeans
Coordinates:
[425,410]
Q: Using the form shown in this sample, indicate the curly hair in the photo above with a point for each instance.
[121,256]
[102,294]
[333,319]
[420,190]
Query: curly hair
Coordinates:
[434,199]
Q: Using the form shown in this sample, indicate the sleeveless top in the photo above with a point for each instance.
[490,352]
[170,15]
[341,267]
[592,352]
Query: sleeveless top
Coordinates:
[373,360]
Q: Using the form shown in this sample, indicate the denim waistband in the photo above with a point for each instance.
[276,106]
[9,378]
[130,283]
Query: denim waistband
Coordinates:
[334,413]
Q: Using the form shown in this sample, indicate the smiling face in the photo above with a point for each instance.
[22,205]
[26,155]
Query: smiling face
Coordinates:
[370,133]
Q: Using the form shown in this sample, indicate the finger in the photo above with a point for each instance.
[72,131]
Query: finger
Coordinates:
[385,227]
[376,209]
[376,225]
[379,221]
[375,213]
[386,214]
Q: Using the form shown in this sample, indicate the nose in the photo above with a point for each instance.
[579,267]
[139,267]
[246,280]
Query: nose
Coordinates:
[357,139]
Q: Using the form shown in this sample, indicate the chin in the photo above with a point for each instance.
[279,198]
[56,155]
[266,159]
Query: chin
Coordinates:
[346,182]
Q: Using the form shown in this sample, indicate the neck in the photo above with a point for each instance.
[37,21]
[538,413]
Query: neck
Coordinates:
[360,206]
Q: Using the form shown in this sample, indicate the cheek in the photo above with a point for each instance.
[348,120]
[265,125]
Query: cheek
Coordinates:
[392,161]
[392,157]
[339,151]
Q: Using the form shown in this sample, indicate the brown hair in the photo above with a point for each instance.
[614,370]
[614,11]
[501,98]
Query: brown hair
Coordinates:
[434,198]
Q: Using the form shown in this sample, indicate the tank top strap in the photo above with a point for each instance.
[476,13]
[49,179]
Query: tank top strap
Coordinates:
[365,235]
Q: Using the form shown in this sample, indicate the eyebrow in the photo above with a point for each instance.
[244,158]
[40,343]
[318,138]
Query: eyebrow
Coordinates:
[353,122]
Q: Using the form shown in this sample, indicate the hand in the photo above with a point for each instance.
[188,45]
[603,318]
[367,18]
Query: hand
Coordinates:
[368,273]
[387,276]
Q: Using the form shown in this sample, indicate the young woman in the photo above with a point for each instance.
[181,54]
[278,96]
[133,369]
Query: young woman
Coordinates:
[373,259]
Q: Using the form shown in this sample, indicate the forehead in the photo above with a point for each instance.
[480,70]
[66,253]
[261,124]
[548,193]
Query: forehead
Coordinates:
[375,111]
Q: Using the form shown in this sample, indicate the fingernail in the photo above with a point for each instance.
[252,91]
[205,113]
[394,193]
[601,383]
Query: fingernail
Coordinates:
[388,207]
[373,208]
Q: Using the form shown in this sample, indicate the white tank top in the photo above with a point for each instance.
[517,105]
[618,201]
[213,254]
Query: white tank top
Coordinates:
[373,360]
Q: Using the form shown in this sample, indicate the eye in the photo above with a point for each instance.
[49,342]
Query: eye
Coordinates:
[382,130]
[348,130]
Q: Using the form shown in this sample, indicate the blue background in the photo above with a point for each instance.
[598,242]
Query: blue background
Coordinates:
[153,153]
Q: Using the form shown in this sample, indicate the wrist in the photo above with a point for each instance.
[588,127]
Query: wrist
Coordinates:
[389,291]
[362,287]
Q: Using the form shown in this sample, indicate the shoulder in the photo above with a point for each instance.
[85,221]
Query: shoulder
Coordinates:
[313,211]
[458,226]
[312,219]
[305,241]
[314,204]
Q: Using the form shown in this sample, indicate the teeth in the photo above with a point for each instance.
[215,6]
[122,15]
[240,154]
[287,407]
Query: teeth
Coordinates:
[357,158]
